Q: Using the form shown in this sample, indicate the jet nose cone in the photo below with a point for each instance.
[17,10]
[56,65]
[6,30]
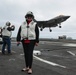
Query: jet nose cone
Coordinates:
[67,17]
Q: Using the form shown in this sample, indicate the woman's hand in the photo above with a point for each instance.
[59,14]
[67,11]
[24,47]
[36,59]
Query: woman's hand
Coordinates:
[36,44]
[18,43]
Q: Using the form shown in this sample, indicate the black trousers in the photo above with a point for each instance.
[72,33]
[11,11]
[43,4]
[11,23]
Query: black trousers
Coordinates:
[28,52]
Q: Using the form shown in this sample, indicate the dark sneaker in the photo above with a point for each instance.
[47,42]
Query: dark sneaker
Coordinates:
[3,53]
[9,53]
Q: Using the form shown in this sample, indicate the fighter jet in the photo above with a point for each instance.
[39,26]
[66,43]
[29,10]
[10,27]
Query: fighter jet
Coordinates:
[52,22]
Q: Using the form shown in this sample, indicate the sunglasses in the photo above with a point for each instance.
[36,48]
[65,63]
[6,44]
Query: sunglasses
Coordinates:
[29,16]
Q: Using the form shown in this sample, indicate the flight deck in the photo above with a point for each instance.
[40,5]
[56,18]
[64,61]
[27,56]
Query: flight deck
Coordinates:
[56,58]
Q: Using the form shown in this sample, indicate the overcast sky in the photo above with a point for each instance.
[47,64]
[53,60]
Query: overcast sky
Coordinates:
[15,10]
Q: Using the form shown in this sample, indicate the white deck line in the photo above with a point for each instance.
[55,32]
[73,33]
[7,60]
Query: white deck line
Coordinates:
[71,53]
[69,44]
[48,62]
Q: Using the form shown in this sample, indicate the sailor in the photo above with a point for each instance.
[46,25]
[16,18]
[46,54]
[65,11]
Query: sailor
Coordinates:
[6,35]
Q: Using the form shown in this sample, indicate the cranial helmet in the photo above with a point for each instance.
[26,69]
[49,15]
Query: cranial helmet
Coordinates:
[8,23]
[29,13]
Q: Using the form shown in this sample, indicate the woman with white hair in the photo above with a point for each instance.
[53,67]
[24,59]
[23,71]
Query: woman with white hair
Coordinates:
[28,34]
